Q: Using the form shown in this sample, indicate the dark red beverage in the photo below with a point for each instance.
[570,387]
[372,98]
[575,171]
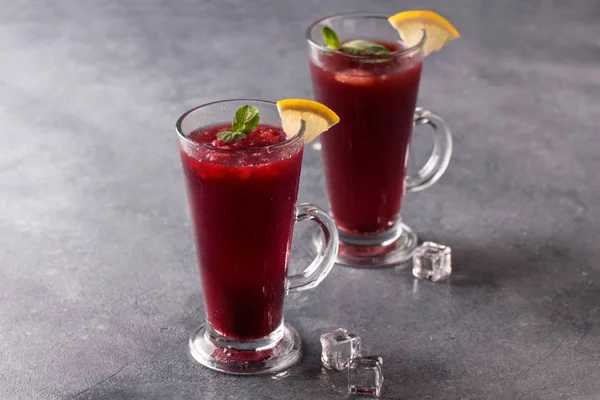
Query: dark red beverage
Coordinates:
[365,154]
[242,201]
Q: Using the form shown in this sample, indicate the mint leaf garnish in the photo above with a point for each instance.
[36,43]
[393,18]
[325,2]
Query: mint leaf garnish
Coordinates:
[364,48]
[245,121]
[331,39]
[230,136]
[354,47]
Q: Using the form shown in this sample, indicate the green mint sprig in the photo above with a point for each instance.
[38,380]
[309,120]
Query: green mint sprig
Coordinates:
[331,38]
[245,121]
[364,48]
[354,47]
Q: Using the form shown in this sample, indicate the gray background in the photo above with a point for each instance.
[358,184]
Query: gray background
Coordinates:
[98,284]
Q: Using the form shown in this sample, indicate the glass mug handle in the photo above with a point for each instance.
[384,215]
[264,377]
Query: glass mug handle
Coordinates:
[435,167]
[320,267]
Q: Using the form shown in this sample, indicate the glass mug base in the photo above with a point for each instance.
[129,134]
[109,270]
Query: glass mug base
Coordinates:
[276,352]
[388,249]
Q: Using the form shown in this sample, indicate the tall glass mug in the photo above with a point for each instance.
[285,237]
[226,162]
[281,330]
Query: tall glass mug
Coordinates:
[365,155]
[243,209]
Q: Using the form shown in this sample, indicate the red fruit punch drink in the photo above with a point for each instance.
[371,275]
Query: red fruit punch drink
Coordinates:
[242,183]
[252,193]
[365,155]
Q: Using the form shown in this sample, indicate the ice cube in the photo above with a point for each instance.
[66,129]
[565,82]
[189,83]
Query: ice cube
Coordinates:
[365,377]
[339,348]
[355,76]
[432,261]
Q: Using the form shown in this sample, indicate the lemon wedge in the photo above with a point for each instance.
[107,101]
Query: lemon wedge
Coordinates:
[410,25]
[318,117]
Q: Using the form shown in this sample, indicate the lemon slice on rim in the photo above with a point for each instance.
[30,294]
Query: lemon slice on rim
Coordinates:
[410,25]
[318,117]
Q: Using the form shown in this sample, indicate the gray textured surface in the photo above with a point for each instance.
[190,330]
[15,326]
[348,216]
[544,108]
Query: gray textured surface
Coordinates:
[99,289]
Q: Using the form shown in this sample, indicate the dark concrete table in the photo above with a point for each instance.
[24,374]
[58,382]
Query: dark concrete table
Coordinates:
[98,284]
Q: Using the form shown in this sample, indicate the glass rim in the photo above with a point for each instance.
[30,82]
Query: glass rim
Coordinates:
[185,137]
[402,52]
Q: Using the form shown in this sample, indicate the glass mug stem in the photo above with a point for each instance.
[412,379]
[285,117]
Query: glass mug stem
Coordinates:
[439,159]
